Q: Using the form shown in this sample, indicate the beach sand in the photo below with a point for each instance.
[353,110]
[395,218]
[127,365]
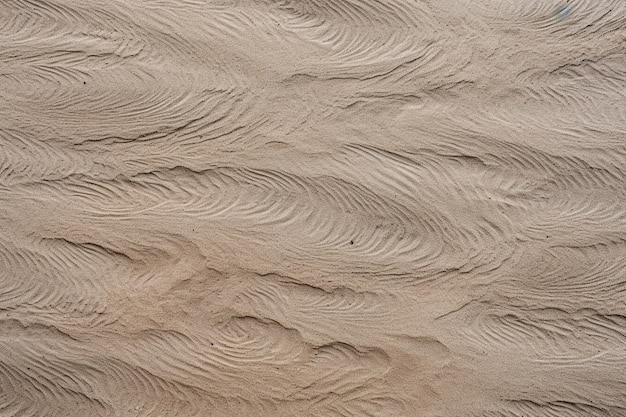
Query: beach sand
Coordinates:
[313,208]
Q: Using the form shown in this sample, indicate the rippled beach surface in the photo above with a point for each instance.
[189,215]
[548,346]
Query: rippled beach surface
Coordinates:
[325,208]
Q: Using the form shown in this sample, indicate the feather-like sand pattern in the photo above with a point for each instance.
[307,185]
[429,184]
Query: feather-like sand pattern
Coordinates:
[313,208]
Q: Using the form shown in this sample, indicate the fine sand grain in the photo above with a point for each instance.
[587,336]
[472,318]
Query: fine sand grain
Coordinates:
[279,208]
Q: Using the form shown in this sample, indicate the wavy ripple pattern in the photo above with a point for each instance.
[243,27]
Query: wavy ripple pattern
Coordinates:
[312,208]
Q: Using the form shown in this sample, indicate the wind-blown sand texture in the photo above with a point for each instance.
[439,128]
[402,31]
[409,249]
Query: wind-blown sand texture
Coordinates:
[313,208]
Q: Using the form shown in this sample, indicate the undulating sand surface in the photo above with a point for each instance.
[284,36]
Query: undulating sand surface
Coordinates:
[324,208]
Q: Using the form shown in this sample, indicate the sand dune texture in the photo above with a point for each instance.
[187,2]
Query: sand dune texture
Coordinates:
[313,208]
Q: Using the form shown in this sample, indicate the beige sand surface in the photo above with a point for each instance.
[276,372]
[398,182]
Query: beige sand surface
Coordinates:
[313,208]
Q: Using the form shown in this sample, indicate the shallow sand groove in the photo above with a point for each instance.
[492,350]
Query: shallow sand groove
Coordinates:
[313,208]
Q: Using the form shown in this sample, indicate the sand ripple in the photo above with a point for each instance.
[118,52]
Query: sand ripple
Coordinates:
[312,208]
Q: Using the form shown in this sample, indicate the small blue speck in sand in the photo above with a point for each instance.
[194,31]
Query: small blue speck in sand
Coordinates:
[563,11]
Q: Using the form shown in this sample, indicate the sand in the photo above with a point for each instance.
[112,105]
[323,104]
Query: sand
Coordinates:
[313,208]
